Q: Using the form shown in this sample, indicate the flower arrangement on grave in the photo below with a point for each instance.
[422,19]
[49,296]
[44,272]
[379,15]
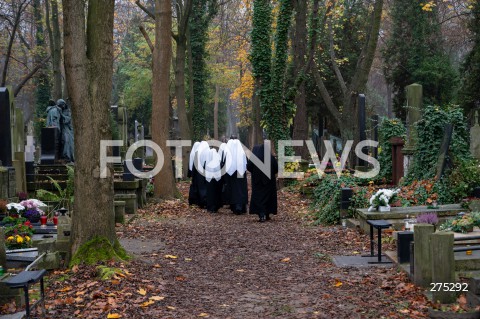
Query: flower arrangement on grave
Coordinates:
[32,211]
[382,197]
[427,218]
[461,224]
[15,209]
[19,235]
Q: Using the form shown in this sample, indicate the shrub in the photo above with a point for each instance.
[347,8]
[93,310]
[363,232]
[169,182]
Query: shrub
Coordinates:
[430,135]
[464,178]
[326,201]
[388,128]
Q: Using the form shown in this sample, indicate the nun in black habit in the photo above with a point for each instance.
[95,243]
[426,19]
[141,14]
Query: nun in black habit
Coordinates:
[264,188]
[236,177]
[193,198]
[213,175]
[198,189]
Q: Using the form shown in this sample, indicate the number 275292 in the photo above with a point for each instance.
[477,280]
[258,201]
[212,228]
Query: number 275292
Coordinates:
[449,286]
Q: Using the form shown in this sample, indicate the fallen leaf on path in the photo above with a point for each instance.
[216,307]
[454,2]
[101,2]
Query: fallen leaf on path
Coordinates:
[147,303]
[142,291]
[337,283]
[203,314]
[170,256]
[156,298]
[170,308]
[286,260]
[113,316]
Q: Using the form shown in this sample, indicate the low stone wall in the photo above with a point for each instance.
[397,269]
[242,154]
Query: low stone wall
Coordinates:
[397,214]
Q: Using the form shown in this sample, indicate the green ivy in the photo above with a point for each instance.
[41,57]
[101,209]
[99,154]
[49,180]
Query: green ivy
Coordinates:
[326,200]
[464,178]
[387,129]
[430,135]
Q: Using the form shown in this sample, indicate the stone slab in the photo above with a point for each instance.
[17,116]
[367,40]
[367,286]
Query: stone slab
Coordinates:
[359,261]
[18,315]
[120,185]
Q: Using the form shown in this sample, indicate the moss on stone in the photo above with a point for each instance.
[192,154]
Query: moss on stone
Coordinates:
[99,249]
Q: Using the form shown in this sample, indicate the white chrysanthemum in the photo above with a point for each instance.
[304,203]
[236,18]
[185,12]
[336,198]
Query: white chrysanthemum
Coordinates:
[15,206]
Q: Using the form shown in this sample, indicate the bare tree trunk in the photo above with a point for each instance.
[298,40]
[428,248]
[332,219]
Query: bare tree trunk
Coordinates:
[162,56]
[215,112]
[89,68]
[300,127]
[182,113]
[191,102]
[56,53]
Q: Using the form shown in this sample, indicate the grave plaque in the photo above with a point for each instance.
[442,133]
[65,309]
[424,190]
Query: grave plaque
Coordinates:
[6,119]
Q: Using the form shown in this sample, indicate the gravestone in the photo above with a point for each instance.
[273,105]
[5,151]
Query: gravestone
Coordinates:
[414,94]
[20,172]
[442,161]
[475,138]
[361,125]
[397,159]
[50,145]
[6,123]
[3,254]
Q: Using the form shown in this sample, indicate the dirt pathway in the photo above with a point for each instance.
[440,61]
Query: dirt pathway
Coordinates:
[231,266]
[192,264]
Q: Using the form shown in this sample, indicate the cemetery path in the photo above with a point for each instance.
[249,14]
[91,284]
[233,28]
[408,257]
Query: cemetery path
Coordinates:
[194,264]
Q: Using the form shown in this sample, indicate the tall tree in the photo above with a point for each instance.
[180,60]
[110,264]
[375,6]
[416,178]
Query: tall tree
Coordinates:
[42,81]
[55,48]
[260,56]
[414,54]
[88,48]
[470,92]
[300,124]
[162,55]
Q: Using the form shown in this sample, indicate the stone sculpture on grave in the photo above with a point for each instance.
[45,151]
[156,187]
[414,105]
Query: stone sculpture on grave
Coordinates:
[414,114]
[67,132]
[475,138]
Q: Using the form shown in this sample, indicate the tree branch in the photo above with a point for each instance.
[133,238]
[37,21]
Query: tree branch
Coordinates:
[365,60]
[148,12]
[29,76]
[325,95]
[147,37]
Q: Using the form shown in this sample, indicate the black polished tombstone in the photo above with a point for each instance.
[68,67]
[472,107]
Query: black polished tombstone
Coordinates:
[5,128]
[50,146]
[361,125]
[127,175]
[403,246]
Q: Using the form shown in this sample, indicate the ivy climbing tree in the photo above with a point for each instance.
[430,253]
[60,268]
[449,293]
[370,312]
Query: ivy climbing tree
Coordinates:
[202,13]
[470,91]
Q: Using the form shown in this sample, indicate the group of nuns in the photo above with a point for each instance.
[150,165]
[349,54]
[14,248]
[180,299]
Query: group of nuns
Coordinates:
[219,178]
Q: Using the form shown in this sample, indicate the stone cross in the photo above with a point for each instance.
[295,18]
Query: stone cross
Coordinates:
[414,105]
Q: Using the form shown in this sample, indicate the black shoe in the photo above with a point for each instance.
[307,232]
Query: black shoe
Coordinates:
[262,219]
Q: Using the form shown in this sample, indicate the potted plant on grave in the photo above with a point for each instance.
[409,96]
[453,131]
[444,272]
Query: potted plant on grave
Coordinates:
[18,236]
[428,218]
[15,209]
[381,200]
[460,224]
[32,209]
